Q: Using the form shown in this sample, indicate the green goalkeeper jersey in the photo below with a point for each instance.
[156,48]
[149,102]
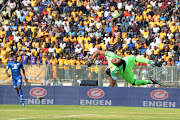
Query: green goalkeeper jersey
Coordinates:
[115,71]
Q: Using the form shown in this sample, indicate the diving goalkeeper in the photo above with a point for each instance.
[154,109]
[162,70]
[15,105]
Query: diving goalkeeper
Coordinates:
[123,67]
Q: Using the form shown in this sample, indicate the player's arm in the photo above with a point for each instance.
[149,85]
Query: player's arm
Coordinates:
[24,74]
[7,68]
[99,52]
[112,81]
[112,78]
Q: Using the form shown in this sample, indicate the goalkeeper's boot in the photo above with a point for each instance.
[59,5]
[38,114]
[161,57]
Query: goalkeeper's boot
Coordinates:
[156,82]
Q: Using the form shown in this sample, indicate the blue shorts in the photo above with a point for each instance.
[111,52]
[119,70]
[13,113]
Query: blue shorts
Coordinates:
[16,81]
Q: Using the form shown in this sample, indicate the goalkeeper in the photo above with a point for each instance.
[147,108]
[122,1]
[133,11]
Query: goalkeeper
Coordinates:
[123,67]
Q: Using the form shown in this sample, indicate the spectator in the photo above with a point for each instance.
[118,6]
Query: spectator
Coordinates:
[129,6]
[55,28]
[25,59]
[105,62]
[98,62]
[177,63]
[92,49]
[131,44]
[107,38]
[33,59]
[66,67]
[78,49]
[127,39]
[12,5]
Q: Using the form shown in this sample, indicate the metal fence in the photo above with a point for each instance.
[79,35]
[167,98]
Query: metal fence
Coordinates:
[56,75]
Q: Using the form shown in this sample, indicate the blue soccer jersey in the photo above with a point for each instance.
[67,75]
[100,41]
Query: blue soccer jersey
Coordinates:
[16,72]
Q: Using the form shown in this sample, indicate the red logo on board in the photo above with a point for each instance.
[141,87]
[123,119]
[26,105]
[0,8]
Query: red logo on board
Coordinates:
[38,92]
[159,94]
[96,93]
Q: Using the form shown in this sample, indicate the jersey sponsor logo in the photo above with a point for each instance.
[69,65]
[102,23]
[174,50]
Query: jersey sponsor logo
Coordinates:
[38,92]
[15,66]
[95,93]
[159,94]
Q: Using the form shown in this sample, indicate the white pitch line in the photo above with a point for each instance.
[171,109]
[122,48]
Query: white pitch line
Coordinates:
[24,118]
[73,115]
[53,117]
[97,115]
[120,116]
[156,117]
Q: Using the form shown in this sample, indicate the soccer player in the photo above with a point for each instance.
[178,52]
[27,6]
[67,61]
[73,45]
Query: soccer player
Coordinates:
[123,67]
[16,76]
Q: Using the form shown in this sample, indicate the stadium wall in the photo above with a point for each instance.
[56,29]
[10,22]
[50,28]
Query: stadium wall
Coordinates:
[100,96]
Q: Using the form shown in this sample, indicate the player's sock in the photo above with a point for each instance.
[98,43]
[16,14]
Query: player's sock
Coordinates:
[142,60]
[20,92]
[142,82]
[21,95]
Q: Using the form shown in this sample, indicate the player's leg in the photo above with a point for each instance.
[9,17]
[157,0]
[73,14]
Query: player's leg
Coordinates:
[15,86]
[142,82]
[21,95]
[19,83]
[17,91]
[112,79]
[20,92]
[141,59]
[129,77]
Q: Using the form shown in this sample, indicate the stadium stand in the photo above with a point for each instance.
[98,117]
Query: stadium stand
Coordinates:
[49,30]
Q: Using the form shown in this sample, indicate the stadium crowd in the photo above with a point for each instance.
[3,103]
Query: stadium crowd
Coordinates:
[68,32]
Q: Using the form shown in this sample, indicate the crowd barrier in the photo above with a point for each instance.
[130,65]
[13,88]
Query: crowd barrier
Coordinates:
[95,96]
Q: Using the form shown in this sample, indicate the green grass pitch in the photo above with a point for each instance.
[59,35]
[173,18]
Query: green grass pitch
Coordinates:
[62,112]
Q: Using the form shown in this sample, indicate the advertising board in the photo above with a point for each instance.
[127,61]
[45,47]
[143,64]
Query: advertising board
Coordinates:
[98,96]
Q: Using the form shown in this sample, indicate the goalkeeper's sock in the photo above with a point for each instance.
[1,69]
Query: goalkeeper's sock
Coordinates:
[143,60]
[142,82]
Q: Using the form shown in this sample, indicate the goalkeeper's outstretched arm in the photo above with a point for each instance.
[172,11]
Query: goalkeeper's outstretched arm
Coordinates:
[99,52]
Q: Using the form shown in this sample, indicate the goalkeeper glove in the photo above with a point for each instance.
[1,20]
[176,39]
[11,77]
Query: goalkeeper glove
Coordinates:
[108,72]
[89,63]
